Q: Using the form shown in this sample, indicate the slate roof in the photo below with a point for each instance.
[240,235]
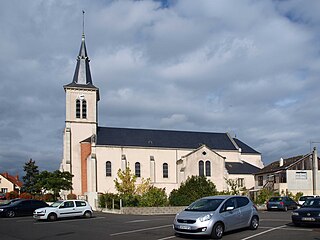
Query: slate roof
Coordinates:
[244,147]
[241,168]
[164,138]
[275,166]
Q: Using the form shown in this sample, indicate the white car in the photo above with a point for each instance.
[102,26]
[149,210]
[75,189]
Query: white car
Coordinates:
[63,209]
[302,199]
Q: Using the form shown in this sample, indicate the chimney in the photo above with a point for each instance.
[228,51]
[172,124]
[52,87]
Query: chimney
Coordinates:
[281,162]
[6,175]
[17,177]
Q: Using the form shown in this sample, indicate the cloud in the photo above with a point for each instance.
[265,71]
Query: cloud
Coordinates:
[248,68]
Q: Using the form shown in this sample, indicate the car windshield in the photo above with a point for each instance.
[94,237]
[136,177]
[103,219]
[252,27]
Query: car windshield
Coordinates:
[311,203]
[276,199]
[303,198]
[204,205]
[56,204]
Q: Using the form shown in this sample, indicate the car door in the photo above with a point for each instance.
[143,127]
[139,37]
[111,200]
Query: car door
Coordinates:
[24,208]
[67,209]
[80,207]
[230,214]
[245,211]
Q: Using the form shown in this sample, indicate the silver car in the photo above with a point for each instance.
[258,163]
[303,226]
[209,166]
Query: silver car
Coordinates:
[215,215]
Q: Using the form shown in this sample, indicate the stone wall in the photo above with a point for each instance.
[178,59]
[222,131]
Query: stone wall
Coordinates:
[145,210]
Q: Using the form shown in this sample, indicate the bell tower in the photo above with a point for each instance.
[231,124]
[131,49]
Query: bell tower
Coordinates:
[81,116]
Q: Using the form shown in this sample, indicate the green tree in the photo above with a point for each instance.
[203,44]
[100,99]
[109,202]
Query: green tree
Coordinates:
[234,186]
[153,197]
[55,181]
[126,183]
[193,188]
[30,179]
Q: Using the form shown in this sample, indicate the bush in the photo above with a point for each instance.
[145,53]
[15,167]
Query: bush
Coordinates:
[108,199]
[71,196]
[48,197]
[154,197]
[26,195]
[194,188]
[12,195]
[297,196]
[264,195]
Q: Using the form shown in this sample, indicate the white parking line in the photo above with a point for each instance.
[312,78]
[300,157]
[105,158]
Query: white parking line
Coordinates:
[140,230]
[166,238]
[258,234]
[137,221]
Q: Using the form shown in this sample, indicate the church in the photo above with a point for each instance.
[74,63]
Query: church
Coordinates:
[94,154]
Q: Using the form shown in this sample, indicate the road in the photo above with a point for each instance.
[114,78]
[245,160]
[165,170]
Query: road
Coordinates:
[273,225]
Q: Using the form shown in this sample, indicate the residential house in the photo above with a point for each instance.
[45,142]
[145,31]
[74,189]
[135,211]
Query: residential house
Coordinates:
[9,183]
[295,174]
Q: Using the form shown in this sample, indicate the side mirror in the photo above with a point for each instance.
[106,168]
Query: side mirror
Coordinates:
[229,208]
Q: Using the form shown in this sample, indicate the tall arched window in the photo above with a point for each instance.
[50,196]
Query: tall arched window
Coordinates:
[108,169]
[137,169]
[165,170]
[84,108]
[208,168]
[78,108]
[201,168]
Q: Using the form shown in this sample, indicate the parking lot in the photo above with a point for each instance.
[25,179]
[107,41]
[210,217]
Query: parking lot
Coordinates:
[273,225]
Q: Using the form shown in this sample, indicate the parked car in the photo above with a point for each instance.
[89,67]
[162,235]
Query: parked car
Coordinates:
[215,215]
[63,209]
[302,199]
[2,196]
[309,213]
[281,203]
[20,207]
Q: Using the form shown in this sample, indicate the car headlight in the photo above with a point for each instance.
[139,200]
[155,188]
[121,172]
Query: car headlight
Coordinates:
[295,214]
[1,209]
[205,218]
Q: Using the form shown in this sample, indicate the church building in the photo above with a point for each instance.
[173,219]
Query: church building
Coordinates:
[94,154]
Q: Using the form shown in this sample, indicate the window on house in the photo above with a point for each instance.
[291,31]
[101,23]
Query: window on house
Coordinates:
[78,108]
[165,170]
[201,168]
[4,190]
[301,175]
[108,169]
[260,180]
[84,109]
[208,168]
[240,182]
[137,169]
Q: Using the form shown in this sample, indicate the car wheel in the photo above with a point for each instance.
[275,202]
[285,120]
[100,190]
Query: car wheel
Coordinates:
[254,223]
[217,231]
[87,214]
[285,208]
[11,214]
[52,217]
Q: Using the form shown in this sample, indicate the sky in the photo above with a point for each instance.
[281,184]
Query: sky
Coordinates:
[250,68]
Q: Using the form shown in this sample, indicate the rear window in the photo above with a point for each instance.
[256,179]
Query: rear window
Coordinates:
[276,199]
[80,204]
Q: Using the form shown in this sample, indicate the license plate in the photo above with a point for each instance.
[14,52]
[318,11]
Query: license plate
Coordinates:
[308,219]
[184,227]
[274,207]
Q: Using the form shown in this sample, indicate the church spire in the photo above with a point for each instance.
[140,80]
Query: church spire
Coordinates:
[82,73]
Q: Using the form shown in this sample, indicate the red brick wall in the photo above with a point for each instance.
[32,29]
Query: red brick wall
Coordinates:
[85,153]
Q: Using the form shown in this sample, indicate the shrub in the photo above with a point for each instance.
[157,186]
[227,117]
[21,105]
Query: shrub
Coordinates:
[12,195]
[71,196]
[108,199]
[48,197]
[153,197]
[26,195]
[298,195]
[264,195]
[194,188]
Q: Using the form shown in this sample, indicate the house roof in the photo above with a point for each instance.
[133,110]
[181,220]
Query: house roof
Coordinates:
[244,147]
[241,168]
[14,180]
[165,138]
[275,166]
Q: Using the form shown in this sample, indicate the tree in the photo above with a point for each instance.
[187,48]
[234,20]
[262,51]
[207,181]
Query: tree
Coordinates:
[30,179]
[55,181]
[153,197]
[193,188]
[233,184]
[126,183]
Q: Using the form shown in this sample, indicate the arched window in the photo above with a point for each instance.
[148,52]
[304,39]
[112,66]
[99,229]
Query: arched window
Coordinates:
[78,108]
[108,169]
[201,168]
[137,169]
[165,170]
[208,168]
[84,109]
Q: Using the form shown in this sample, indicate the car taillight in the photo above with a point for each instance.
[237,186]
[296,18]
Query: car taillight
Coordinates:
[281,203]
